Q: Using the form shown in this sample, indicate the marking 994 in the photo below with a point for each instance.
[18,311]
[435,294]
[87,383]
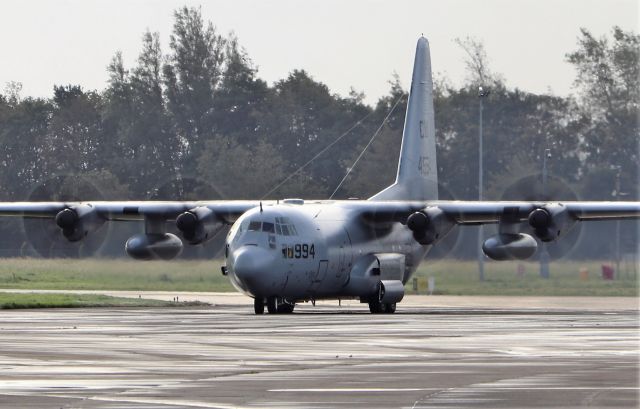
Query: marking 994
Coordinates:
[299,250]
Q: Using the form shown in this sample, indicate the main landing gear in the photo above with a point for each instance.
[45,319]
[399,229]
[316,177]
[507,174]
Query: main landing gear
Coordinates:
[275,305]
[376,307]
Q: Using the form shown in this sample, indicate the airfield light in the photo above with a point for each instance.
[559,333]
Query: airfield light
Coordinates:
[617,193]
[482,93]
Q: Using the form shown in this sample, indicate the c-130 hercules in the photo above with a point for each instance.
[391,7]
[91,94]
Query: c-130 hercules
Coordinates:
[283,252]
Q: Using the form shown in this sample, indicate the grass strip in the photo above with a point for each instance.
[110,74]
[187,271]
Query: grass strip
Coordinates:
[53,300]
[523,279]
[452,277]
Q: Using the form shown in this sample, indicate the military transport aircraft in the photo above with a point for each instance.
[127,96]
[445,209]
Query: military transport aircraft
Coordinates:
[292,250]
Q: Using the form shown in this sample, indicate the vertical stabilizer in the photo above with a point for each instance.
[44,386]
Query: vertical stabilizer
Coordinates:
[417,177]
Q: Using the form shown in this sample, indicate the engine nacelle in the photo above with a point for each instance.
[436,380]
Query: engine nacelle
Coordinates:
[390,291]
[551,221]
[165,246]
[510,246]
[198,225]
[78,221]
[429,225]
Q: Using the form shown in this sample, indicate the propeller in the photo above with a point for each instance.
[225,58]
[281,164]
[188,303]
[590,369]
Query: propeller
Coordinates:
[453,239]
[53,238]
[192,188]
[416,222]
[530,188]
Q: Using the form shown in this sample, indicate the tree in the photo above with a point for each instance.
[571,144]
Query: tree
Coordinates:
[608,73]
[191,76]
[73,141]
[12,91]
[117,121]
[608,82]
[240,95]
[302,118]
[378,166]
[154,146]
[477,64]
[239,171]
[23,128]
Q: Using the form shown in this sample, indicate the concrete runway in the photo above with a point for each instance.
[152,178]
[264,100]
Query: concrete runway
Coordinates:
[424,356]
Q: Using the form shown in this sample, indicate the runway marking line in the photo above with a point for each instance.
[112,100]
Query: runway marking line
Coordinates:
[561,388]
[354,390]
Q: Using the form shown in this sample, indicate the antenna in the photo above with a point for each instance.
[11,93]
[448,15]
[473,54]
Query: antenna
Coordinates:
[261,206]
[349,169]
[326,148]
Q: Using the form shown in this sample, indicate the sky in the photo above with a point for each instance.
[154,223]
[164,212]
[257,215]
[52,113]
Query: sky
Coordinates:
[343,44]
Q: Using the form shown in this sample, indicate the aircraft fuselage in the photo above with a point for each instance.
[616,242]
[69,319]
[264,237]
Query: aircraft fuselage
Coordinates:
[317,251]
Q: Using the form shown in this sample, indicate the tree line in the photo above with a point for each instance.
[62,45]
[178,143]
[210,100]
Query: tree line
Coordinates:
[199,123]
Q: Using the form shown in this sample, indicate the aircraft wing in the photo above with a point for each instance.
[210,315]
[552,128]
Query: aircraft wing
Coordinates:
[225,211]
[460,212]
[476,212]
[431,221]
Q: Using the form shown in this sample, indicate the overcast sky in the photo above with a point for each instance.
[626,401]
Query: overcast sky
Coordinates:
[341,43]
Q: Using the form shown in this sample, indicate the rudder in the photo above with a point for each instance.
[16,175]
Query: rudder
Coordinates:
[417,177]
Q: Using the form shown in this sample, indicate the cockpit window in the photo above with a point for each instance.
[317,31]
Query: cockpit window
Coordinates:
[234,235]
[285,227]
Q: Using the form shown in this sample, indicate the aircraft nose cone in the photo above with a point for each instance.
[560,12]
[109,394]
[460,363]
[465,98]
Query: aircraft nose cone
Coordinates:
[249,265]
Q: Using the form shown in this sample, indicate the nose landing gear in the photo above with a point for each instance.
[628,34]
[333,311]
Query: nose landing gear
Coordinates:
[258,305]
[275,305]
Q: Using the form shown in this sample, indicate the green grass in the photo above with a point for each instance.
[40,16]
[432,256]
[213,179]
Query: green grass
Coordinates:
[451,277]
[112,274]
[501,278]
[49,300]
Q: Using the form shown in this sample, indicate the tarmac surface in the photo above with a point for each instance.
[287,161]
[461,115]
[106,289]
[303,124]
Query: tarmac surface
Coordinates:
[494,352]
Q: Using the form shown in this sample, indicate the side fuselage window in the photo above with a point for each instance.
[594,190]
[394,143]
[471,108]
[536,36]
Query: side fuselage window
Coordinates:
[285,227]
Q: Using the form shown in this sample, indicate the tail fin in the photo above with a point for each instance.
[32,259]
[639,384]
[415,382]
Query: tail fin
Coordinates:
[417,177]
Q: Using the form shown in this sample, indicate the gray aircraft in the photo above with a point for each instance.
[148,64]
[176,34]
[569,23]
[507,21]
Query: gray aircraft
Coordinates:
[288,251]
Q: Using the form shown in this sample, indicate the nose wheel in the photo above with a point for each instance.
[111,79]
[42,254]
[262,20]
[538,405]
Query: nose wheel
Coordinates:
[272,305]
[275,305]
[258,305]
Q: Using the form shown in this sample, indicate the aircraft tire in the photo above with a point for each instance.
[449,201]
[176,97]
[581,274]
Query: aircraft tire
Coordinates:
[258,305]
[272,305]
[285,308]
[389,308]
[375,307]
